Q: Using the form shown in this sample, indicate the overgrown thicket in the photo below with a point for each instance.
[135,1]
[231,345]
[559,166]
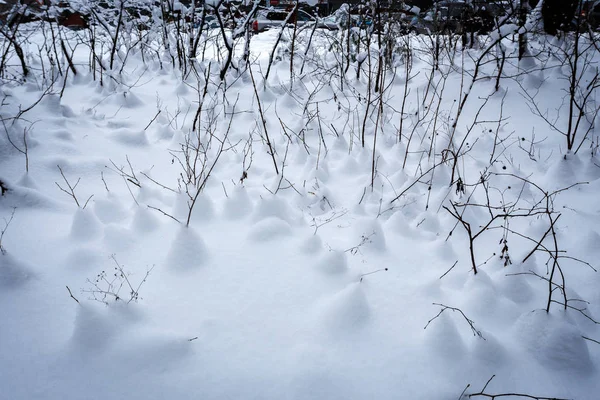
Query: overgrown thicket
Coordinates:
[368,75]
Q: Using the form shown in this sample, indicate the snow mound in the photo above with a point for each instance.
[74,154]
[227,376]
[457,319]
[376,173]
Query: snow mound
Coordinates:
[13,272]
[346,311]
[118,238]
[156,354]
[333,263]
[97,327]
[146,194]
[27,181]
[109,210]
[490,350]
[398,223]
[429,222]
[203,211]
[273,206]
[84,258]
[445,250]
[371,232]
[590,241]
[444,338]
[516,288]
[270,228]
[182,89]
[26,197]
[130,100]
[51,104]
[351,167]
[481,293]
[560,174]
[187,251]
[591,171]
[85,226]
[130,137]
[93,329]
[144,221]
[238,205]
[554,341]
[312,245]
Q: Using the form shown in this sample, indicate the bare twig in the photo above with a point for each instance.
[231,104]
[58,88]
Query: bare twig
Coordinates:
[108,285]
[482,393]
[71,294]
[164,213]
[3,188]
[475,331]
[152,120]
[158,183]
[3,231]
[71,189]
[372,272]
[321,222]
[591,340]
[451,268]
[264,122]
[103,181]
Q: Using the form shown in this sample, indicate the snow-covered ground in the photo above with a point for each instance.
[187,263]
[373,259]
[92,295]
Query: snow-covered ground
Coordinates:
[309,283]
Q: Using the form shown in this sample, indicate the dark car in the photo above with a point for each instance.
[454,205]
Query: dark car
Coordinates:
[275,18]
[588,14]
[459,16]
[16,12]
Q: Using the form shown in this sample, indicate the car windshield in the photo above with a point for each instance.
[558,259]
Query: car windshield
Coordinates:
[277,15]
[443,12]
[303,16]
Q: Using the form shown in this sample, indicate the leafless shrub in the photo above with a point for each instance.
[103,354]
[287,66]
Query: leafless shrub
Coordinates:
[475,331]
[71,189]
[263,121]
[364,240]
[3,188]
[203,146]
[13,124]
[283,28]
[575,54]
[483,394]
[5,228]
[9,31]
[128,176]
[334,214]
[109,286]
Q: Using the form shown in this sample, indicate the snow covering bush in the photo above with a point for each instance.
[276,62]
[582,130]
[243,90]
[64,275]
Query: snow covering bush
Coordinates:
[108,287]
[310,199]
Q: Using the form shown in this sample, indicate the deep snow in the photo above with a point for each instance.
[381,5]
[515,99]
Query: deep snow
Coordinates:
[265,296]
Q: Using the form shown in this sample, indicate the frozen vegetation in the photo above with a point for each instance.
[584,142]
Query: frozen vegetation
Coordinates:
[306,215]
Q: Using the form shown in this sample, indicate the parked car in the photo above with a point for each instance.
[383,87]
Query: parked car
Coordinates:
[13,11]
[16,12]
[393,16]
[275,18]
[459,16]
[589,13]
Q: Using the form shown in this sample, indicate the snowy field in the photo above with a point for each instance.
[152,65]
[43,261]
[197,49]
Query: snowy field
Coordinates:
[324,254]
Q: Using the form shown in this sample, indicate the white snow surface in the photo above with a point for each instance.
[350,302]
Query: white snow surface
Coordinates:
[268,293]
